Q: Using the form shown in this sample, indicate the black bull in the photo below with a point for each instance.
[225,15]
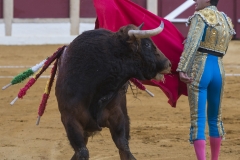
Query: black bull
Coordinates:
[92,81]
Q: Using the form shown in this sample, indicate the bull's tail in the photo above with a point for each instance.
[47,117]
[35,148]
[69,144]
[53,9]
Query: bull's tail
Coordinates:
[49,61]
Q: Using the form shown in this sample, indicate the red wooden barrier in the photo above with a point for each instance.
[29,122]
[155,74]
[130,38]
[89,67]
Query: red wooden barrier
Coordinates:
[54,8]
[237,25]
[1,8]
[141,3]
[60,9]
[41,9]
[166,7]
[87,9]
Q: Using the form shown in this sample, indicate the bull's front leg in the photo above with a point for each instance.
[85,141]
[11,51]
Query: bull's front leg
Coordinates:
[119,128]
[75,134]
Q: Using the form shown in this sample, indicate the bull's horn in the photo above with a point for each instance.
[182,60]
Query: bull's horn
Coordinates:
[146,33]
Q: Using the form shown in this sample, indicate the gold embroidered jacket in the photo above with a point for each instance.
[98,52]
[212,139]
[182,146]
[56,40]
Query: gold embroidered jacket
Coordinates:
[209,29]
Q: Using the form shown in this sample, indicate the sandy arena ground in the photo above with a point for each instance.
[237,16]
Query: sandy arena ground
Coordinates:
[158,131]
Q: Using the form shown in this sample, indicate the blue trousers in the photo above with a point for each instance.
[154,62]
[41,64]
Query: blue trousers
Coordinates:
[205,95]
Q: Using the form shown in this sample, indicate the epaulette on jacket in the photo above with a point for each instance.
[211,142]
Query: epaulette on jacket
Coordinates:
[212,18]
[230,24]
[209,16]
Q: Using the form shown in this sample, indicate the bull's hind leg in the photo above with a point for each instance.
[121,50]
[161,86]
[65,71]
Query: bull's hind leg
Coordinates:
[76,137]
[119,127]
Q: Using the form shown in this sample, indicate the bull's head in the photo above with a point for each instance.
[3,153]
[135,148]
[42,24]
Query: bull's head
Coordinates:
[153,62]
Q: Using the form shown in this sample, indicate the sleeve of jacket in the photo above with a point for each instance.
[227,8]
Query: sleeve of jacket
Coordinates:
[192,43]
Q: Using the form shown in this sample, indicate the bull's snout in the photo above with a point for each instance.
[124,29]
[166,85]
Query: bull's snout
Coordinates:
[167,67]
[166,70]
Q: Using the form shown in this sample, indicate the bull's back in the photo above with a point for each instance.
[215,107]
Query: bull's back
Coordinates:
[91,42]
[85,64]
[87,51]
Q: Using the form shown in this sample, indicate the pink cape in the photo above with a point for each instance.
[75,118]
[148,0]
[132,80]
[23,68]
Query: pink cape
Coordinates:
[113,14]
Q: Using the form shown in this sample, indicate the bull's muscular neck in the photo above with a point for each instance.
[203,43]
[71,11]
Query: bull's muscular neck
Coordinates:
[120,67]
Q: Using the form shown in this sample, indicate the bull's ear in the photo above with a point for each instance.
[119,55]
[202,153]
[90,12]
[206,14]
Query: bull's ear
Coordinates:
[140,27]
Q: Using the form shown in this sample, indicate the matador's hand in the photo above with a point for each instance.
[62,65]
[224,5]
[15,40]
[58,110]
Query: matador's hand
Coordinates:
[184,77]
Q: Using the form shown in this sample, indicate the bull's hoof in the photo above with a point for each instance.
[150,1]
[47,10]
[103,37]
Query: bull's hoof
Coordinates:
[131,157]
[127,156]
[82,154]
